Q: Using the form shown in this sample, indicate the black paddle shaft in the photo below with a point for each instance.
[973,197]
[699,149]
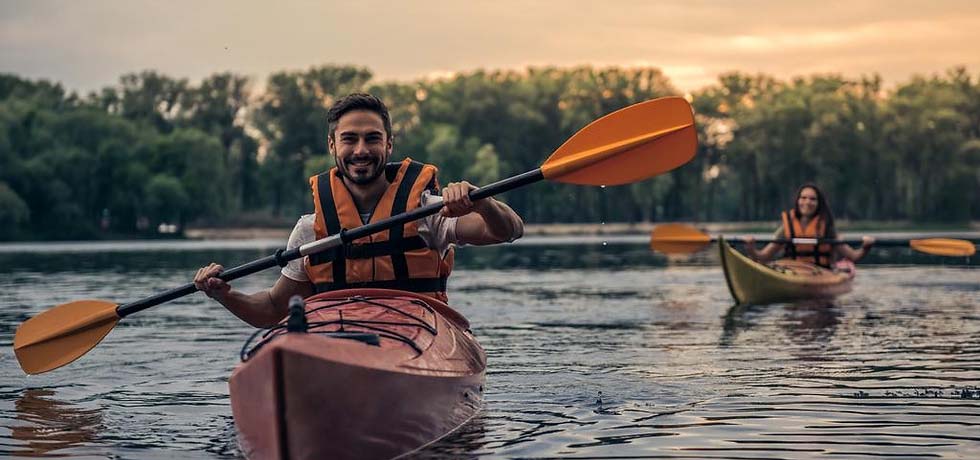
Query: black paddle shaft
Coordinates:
[878,242]
[827,241]
[281,256]
[495,188]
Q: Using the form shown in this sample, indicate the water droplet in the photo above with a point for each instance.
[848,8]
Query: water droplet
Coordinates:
[602,186]
[604,243]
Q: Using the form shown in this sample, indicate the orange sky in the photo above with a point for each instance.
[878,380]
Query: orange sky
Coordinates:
[89,44]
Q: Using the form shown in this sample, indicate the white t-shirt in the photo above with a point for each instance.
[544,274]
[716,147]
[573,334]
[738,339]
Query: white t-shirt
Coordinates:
[438,232]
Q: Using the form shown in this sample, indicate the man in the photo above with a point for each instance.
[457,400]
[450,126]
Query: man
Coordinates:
[364,188]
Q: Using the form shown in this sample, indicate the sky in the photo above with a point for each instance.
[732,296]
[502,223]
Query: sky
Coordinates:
[87,45]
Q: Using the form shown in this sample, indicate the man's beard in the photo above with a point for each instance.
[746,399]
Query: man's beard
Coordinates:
[362,180]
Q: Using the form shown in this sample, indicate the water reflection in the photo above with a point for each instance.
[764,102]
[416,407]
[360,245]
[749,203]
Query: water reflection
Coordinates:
[738,318]
[50,425]
[467,443]
[805,322]
[812,322]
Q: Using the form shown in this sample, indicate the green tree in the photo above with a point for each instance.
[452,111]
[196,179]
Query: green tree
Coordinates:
[218,106]
[147,96]
[14,213]
[195,159]
[166,199]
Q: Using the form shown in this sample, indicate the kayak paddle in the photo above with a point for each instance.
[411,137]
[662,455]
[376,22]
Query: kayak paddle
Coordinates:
[683,239]
[631,144]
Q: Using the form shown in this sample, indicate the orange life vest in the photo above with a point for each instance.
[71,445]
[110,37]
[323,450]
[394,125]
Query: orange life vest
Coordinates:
[819,254]
[397,258]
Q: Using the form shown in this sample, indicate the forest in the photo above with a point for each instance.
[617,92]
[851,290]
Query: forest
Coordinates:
[152,149]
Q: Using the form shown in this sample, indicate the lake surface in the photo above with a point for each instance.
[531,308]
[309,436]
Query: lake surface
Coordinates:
[597,348]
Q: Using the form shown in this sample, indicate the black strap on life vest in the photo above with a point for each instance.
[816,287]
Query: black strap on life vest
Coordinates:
[790,247]
[369,250]
[385,248]
[398,262]
[329,209]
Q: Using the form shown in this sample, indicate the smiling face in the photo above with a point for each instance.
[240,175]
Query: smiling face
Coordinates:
[360,146]
[807,202]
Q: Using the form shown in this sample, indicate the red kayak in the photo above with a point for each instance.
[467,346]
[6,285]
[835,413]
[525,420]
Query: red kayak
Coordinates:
[377,375]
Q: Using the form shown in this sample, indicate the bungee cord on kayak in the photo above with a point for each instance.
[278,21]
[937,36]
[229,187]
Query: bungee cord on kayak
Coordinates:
[366,330]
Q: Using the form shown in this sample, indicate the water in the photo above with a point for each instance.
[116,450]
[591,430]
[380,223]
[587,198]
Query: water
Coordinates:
[595,351]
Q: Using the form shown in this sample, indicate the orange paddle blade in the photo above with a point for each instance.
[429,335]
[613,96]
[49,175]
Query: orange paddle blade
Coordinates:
[944,247]
[628,145]
[62,334]
[678,239]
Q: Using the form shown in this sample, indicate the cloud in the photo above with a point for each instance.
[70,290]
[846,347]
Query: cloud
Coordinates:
[90,44]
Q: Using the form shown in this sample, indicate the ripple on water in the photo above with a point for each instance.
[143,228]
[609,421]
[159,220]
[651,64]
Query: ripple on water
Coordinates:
[647,360]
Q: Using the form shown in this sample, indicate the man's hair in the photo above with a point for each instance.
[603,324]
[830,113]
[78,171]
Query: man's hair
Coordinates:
[357,101]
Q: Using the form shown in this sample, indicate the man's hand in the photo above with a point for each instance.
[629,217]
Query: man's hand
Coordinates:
[456,199]
[207,282]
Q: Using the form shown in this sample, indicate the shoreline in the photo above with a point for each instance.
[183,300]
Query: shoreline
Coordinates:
[612,228]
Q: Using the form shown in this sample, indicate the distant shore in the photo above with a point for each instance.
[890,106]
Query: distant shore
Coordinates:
[612,228]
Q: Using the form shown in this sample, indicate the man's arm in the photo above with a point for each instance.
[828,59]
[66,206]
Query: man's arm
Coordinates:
[482,222]
[261,309]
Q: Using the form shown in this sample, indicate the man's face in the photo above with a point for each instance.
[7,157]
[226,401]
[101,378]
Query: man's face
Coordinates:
[360,146]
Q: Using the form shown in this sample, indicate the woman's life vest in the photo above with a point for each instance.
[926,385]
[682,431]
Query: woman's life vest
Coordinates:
[819,254]
[397,258]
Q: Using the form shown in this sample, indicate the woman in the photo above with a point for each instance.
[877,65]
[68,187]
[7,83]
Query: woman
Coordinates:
[809,218]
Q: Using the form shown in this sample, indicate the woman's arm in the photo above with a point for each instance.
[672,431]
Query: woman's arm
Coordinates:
[766,254]
[856,254]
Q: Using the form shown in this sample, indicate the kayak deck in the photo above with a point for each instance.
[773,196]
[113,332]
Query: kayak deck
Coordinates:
[786,280]
[379,374]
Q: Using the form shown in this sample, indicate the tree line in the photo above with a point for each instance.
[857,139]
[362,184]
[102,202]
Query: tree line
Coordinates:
[153,149]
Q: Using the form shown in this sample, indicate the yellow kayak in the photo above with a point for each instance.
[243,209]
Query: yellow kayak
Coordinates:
[784,280]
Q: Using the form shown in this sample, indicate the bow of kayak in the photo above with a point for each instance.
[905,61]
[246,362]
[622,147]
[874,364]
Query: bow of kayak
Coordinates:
[785,280]
[379,374]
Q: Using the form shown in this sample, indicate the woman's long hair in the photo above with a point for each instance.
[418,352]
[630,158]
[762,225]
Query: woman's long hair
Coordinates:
[823,208]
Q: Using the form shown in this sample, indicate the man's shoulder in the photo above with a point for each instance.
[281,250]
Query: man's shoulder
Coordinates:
[304,226]
[305,220]
[303,231]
